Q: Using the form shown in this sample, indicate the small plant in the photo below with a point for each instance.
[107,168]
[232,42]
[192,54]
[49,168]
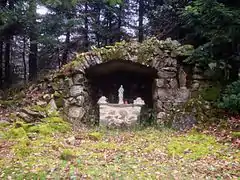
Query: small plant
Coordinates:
[67,154]
[95,136]
[230,99]
[211,93]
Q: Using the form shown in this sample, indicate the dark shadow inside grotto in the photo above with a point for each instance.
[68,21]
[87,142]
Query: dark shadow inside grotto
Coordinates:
[105,79]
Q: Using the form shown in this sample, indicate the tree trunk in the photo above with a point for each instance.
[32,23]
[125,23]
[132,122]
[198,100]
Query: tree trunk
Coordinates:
[33,43]
[1,61]
[7,53]
[66,50]
[119,24]
[86,40]
[24,59]
[140,26]
[98,24]
[110,28]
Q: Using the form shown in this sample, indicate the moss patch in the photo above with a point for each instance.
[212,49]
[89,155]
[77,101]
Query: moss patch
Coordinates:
[194,146]
[139,154]
[67,154]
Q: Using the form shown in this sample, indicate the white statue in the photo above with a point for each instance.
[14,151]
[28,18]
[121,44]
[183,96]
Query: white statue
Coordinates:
[120,95]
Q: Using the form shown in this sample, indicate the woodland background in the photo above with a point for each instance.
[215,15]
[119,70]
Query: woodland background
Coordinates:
[32,41]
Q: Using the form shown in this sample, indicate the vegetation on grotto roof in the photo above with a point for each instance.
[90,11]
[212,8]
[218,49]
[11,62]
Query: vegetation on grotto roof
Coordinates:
[143,53]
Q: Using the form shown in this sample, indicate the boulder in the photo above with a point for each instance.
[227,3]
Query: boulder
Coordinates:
[182,122]
[32,113]
[27,118]
[52,106]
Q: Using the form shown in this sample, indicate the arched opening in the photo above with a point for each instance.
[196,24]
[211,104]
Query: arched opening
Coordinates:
[137,80]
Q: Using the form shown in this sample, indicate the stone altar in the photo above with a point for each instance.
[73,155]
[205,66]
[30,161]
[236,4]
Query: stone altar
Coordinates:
[119,115]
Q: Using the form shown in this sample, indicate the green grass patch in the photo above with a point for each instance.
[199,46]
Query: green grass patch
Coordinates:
[194,146]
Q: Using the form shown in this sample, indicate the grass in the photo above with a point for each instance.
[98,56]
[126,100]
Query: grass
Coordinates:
[113,154]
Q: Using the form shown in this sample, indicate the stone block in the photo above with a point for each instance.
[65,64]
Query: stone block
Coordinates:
[173,83]
[159,106]
[80,100]
[161,115]
[166,74]
[182,95]
[78,79]
[164,95]
[76,112]
[197,77]
[161,83]
[76,90]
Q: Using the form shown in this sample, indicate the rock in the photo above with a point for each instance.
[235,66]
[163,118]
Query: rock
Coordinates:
[76,112]
[166,74]
[160,83]
[197,77]
[159,106]
[173,83]
[70,82]
[27,118]
[72,101]
[80,100]
[47,97]
[164,95]
[41,103]
[76,90]
[78,79]
[183,122]
[197,70]
[78,68]
[33,114]
[182,95]
[170,62]
[167,106]
[170,69]
[61,84]
[161,115]
[52,106]
[182,76]
[71,140]
[195,86]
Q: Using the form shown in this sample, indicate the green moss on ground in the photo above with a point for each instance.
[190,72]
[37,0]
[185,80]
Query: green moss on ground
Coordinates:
[139,154]
[194,146]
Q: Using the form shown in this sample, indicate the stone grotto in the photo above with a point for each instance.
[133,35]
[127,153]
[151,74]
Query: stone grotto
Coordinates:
[152,76]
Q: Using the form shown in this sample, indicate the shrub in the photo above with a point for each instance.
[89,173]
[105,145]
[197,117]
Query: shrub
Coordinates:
[230,99]
[211,93]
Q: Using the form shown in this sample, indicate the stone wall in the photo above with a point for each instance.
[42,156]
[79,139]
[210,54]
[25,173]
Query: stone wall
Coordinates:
[79,107]
[170,87]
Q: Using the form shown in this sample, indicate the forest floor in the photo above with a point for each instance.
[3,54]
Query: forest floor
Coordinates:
[147,153]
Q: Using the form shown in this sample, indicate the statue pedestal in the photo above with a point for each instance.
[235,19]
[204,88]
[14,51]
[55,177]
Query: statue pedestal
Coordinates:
[120,115]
